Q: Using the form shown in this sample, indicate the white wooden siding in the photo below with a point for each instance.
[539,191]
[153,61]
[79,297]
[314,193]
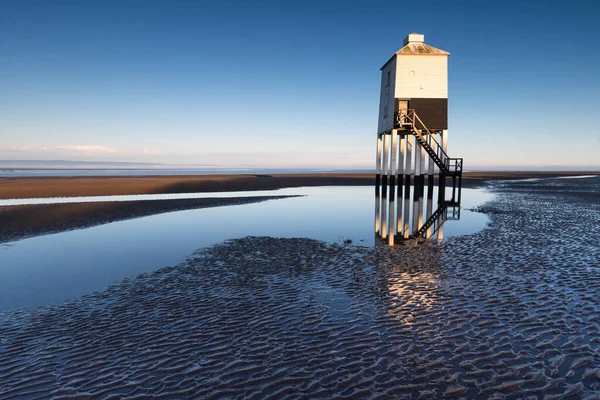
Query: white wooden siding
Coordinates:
[420,76]
[386,97]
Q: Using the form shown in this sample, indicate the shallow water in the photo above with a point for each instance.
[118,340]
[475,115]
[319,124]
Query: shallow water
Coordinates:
[52,268]
[145,197]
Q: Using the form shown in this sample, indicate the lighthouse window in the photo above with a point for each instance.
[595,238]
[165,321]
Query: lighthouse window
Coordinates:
[389,78]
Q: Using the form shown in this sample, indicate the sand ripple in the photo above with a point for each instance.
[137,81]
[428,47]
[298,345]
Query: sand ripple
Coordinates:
[510,312]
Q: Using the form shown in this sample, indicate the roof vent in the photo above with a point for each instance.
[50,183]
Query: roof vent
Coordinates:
[414,38]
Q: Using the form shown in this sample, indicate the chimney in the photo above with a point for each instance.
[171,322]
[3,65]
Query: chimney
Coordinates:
[414,38]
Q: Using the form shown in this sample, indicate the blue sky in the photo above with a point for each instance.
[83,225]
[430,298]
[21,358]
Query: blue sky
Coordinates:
[290,83]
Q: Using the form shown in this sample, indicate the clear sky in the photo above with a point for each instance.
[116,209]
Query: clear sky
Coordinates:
[290,83]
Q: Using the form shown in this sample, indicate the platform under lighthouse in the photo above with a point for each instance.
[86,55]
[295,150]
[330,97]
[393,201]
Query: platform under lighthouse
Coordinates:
[412,145]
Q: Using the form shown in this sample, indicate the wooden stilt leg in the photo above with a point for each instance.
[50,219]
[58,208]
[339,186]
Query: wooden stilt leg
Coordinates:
[407,174]
[378,186]
[430,182]
[421,187]
[416,190]
[392,191]
[399,197]
[384,185]
[442,182]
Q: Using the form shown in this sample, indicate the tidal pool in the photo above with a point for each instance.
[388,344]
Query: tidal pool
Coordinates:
[49,269]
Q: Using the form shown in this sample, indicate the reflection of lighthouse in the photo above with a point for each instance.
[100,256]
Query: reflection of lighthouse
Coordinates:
[413,280]
[412,141]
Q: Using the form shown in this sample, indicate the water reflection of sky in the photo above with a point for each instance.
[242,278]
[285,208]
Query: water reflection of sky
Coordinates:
[49,269]
[145,197]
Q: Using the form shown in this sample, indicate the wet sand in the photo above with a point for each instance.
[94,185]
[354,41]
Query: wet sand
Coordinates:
[511,312]
[19,222]
[19,188]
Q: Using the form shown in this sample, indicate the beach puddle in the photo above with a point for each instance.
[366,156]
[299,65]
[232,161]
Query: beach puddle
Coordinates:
[52,268]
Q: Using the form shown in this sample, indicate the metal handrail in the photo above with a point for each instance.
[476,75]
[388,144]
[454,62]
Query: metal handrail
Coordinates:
[404,117]
[454,163]
[445,211]
[439,148]
[410,116]
[435,220]
[455,212]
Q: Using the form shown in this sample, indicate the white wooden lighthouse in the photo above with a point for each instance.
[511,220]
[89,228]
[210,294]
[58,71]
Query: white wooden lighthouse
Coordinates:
[412,144]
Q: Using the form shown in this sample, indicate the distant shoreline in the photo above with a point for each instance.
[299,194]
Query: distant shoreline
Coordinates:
[199,170]
[40,187]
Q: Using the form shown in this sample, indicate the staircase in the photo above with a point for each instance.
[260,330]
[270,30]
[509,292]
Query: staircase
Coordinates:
[409,120]
[448,167]
[440,212]
[440,215]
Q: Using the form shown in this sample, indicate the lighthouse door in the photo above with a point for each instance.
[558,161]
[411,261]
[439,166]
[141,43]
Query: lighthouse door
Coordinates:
[403,105]
[403,111]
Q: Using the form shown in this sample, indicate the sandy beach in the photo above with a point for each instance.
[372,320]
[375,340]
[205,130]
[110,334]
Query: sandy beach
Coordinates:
[510,312]
[19,188]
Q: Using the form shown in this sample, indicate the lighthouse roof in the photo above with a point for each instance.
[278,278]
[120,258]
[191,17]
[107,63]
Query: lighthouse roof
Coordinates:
[415,48]
[414,45]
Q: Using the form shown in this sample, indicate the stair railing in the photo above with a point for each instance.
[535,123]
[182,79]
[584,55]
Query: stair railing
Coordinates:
[434,221]
[446,164]
[455,164]
[445,211]
[439,149]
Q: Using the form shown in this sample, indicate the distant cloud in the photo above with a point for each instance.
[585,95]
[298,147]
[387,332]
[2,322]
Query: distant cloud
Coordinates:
[148,151]
[89,149]
[15,147]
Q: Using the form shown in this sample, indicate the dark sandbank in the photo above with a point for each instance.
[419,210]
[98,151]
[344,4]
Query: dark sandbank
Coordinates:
[20,188]
[18,222]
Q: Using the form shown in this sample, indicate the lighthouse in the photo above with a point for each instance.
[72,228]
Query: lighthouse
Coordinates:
[412,145]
